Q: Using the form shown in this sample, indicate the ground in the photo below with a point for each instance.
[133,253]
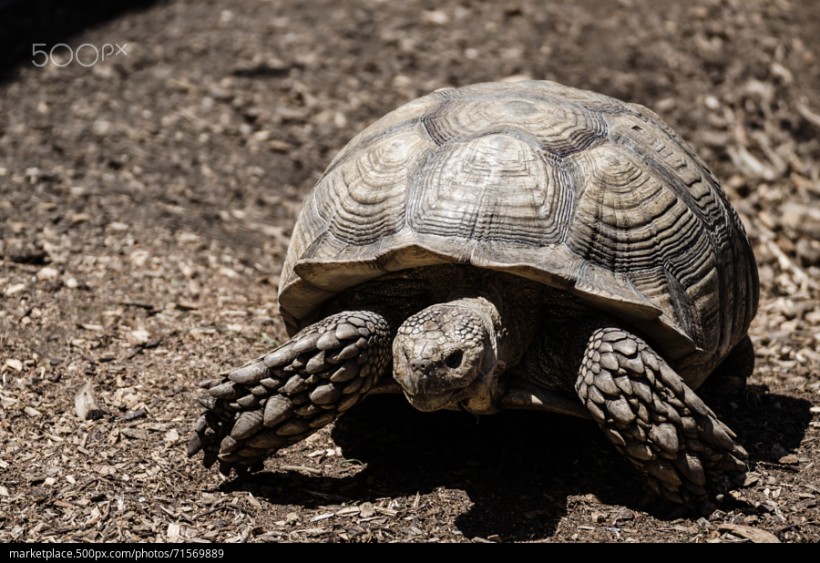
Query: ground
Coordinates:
[146,202]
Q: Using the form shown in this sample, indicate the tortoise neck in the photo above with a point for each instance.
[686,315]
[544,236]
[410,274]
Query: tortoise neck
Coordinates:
[511,312]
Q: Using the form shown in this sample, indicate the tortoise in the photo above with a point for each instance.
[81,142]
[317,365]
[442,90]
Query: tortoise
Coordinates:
[512,245]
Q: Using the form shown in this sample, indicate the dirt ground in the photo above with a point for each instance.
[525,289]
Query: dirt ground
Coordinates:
[145,206]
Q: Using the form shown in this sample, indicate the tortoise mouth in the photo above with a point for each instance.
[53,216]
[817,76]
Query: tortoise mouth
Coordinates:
[430,402]
[476,397]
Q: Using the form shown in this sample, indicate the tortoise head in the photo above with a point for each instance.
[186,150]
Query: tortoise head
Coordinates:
[445,356]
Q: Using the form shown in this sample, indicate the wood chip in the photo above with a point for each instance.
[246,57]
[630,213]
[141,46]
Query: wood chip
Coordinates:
[135,433]
[755,535]
[14,289]
[348,511]
[366,510]
[324,516]
[85,404]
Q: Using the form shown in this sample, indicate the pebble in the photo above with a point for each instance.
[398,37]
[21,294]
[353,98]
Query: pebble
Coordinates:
[47,274]
[14,289]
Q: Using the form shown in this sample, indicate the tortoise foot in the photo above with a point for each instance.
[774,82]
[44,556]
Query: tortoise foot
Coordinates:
[290,393]
[649,413]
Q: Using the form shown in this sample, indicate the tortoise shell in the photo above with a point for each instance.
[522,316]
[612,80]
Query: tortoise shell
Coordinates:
[570,188]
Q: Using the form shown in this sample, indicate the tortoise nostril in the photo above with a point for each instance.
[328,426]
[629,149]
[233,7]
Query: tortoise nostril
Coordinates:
[454,359]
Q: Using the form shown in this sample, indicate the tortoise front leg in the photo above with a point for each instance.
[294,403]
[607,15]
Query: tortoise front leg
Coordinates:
[290,393]
[649,413]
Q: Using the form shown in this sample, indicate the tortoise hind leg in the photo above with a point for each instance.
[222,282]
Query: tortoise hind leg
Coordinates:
[649,413]
[731,376]
[290,393]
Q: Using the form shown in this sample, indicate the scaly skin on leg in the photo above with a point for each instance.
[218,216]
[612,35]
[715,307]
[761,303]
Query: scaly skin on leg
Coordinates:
[285,396]
[649,413]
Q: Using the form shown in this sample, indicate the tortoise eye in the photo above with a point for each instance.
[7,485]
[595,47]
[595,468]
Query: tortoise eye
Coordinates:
[454,359]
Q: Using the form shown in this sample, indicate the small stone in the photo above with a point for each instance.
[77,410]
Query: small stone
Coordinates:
[789,459]
[624,515]
[14,289]
[435,17]
[47,274]
[16,365]
[140,336]
[32,412]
